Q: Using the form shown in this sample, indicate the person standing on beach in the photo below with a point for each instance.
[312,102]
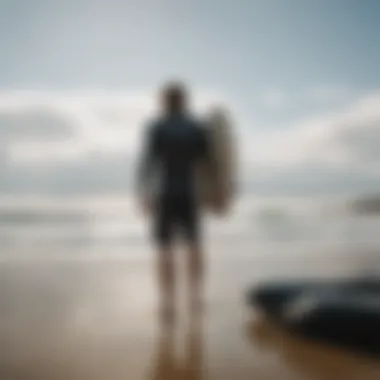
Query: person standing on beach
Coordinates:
[174,145]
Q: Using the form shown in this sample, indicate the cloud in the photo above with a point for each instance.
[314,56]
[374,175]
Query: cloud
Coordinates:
[40,126]
[334,152]
[48,128]
[84,141]
[319,96]
[34,123]
[338,138]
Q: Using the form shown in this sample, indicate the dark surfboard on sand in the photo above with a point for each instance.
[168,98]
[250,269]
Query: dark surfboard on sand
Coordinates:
[344,313]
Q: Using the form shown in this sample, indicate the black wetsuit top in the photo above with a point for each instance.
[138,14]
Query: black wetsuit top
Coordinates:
[174,145]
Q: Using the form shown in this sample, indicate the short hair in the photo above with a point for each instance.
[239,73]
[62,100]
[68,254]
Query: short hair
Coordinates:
[174,91]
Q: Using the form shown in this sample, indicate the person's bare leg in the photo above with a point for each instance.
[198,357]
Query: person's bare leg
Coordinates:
[195,276]
[194,351]
[166,279]
[165,364]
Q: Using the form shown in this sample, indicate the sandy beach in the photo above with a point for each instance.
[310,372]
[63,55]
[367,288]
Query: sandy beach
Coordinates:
[94,317]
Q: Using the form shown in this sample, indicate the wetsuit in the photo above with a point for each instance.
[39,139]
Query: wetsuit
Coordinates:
[173,147]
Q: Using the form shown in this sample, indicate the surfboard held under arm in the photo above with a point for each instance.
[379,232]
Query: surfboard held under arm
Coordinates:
[217,177]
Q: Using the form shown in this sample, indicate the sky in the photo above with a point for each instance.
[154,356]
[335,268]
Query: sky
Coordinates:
[79,78]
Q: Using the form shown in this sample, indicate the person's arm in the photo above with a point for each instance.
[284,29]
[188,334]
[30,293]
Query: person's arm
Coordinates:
[205,145]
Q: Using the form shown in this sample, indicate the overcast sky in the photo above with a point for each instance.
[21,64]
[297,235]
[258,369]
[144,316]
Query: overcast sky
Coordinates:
[78,78]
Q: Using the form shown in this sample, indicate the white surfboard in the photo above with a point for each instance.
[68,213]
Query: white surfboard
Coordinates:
[217,182]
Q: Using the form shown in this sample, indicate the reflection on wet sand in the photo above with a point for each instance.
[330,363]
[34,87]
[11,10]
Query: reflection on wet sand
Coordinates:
[312,360]
[97,320]
[169,365]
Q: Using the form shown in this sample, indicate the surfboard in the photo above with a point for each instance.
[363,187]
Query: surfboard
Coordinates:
[217,178]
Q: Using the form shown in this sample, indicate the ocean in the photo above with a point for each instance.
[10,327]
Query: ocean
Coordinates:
[90,227]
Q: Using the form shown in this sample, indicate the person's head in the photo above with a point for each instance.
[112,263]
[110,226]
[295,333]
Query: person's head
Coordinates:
[174,98]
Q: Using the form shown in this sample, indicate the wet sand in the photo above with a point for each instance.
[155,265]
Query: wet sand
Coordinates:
[95,319]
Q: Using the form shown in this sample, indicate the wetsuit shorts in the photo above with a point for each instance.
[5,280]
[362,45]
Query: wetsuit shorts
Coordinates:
[176,215]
